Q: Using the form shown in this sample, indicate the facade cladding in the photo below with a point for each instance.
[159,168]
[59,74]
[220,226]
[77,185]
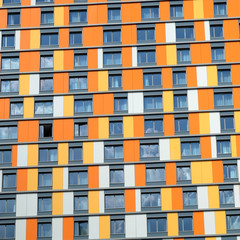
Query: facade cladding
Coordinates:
[120,119]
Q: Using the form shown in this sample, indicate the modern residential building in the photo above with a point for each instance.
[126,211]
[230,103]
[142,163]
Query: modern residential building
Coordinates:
[119,119]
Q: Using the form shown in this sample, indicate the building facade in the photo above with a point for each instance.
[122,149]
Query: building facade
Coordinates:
[119,119]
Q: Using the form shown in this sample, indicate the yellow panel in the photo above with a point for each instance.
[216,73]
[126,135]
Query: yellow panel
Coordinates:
[32,179]
[175,149]
[207,171]
[68,106]
[58,60]
[196,169]
[93,201]
[57,174]
[103,81]
[220,222]
[62,153]
[171,54]
[213,197]
[172,223]
[23,84]
[34,39]
[233,146]
[128,127]
[103,129]
[88,152]
[104,227]
[210,238]
[33,155]
[198,8]
[166,198]
[57,203]
[167,101]
[58,16]
[204,123]
[237,121]
[28,109]
[212,77]
[1,2]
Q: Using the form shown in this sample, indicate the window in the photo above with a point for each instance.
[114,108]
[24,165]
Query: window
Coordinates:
[78,83]
[81,129]
[146,34]
[48,155]
[45,130]
[111,36]
[114,14]
[183,55]
[11,1]
[145,57]
[181,124]
[216,31]
[152,79]
[230,171]
[120,104]
[75,153]
[49,39]
[155,225]
[116,176]
[16,108]
[150,200]
[179,78]
[44,204]
[13,18]
[233,222]
[5,156]
[176,10]
[190,149]
[8,132]
[115,128]
[78,178]
[223,147]
[115,81]
[153,126]
[149,150]
[80,228]
[47,18]
[110,58]
[226,196]
[227,123]
[220,9]
[185,224]
[44,107]
[114,201]
[217,53]
[80,203]
[155,175]
[152,102]
[113,152]
[180,101]
[44,1]
[10,63]
[189,198]
[46,84]
[224,76]
[184,33]
[223,99]
[82,106]
[77,16]
[7,231]
[46,61]
[75,38]
[183,173]
[8,41]
[44,229]
[117,226]
[8,86]
[80,60]
[9,180]
[45,179]
[7,206]
[150,12]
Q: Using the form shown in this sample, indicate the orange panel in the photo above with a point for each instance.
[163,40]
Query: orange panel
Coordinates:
[66,13]
[3,17]
[29,61]
[140,175]
[30,17]
[167,81]
[63,129]
[28,131]
[193,119]
[63,37]
[4,110]
[199,31]
[103,103]
[68,228]
[126,56]
[236,94]
[89,36]
[217,168]
[208,8]
[60,83]
[97,14]
[108,103]
[129,34]
[92,58]
[177,198]
[31,229]
[63,1]
[132,79]
[233,8]
[26,2]
[68,60]
[160,32]
[22,180]
[93,176]
[131,150]
[201,53]
[205,99]
[130,200]
[25,39]
[198,223]
[14,155]
[92,128]
[191,76]
[171,177]
[168,120]
[235,71]
[231,29]
[188,9]
[164,10]
[92,81]
[131,12]
[161,52]
[232,50]
[205,143]
[138,122]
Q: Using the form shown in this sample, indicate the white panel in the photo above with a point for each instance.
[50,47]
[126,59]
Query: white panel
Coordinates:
[57,228]
[135,102]
[32,204]
[58,106]
[1,180]
[202,195]
[192,96]
[101,202]
[130,224]
[129,175]
[22,155]
[34,84]
[68,203]
[202,76]
[207,30]
[236,195]
[238,166]
[214,147]
[65,178]
[170,32]
[17,40]
[20,231]
[21,205]
[138,200]
[218,238]
[33,2]
[209,222]
[238,238]
[100,58]
[103,176]
[215,122]
[164,148]
[93,227]
[141,223]
[134,56]
[0,40]
[98,152]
